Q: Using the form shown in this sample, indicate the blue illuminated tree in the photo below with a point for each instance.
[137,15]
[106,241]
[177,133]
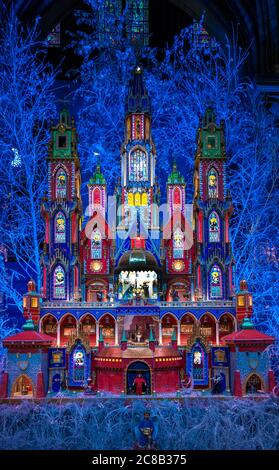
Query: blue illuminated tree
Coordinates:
[26,105]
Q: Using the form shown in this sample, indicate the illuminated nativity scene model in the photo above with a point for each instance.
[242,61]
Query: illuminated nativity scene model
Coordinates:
[136,298]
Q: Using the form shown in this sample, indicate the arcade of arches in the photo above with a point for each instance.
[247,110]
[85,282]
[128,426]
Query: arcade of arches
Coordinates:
[138,328]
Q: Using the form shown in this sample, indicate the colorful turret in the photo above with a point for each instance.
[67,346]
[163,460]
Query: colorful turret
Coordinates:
[244,303]
[31,303]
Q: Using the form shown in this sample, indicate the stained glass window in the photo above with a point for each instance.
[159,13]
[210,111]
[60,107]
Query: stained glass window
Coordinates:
[177,196]
[215,282]
[214,227]
[212,183]
[198,363]
[78,364]
[96,244]
[60,228]
[96,197]
[59,283]
[138,166]
[138,21]
[178,243]
[61,184]
[109,18]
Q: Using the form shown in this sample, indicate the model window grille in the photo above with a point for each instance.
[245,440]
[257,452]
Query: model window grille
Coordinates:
[96,245]
[61,184]
[214,227]
[215,282]
[59,283]
[212,183]
[60,228]
[109,16]
[178,243]
[138,166]
[138,21]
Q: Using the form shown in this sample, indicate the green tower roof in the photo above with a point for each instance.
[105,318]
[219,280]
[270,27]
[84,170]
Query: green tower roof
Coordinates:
[98,177]
[247,324]
[28,325]
[175,177]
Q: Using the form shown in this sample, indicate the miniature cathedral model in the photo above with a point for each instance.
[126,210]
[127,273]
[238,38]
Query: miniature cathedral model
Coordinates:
[137,306]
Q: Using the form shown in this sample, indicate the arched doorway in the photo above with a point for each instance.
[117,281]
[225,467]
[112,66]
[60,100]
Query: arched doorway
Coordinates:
[169,325]
[49,326]
[138,370]
[178,291]
[23,386]
[107,324]
[186,329]
[68,329]
[56,382]
[197,364]
[208,328]
[79,365]
[226,325]
[88,328]
[253,384]
[97,292]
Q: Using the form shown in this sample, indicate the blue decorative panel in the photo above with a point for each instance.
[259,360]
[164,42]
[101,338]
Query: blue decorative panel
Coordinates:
[56,358]
[220,357]
[79,366]
[197,364]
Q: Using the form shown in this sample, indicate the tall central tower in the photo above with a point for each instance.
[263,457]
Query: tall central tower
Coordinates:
[137,258]
[138,189]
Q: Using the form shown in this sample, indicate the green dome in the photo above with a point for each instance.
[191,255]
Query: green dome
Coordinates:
[98,177]
[175,177]
[28,325]
[247,324]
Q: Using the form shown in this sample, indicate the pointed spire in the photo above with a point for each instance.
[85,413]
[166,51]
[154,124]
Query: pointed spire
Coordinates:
[175,177]
[98,177]
[137,100]
[151,336]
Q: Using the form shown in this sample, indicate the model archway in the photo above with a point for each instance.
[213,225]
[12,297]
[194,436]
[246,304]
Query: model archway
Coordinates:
[49,325]
[226,325]
[68,329]
[96,291]
[107,325]
[23,387]
[208,328]
[169,325]
[187,326]
[138,378]
[253,384]
[88,328]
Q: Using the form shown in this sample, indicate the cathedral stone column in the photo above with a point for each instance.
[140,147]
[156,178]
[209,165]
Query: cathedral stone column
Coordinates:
[116,333]
[178,332]
[217,333]
[58,334]
[97,333]
[160,333]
